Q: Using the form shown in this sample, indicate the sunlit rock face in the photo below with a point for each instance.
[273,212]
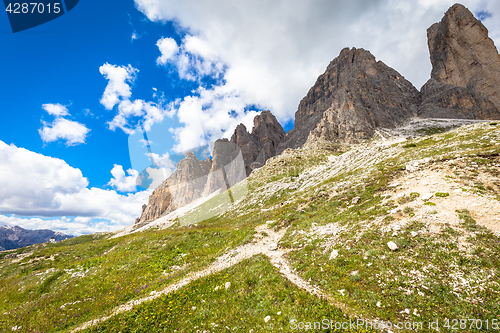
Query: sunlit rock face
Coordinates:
[232,162]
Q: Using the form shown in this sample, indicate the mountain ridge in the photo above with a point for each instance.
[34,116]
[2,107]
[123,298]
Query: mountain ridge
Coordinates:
[16,237]
[358,94]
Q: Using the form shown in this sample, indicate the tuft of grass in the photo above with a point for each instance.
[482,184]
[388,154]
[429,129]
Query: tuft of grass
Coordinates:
[45,285]
[441,194]
[467,220]
[408,210]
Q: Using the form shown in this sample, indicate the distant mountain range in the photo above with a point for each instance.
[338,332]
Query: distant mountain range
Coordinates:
[16,237]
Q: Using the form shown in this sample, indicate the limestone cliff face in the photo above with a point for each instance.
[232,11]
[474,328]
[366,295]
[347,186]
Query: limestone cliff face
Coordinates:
[465,77]
[182,187]
[262,143]
[355,95]
[232,162]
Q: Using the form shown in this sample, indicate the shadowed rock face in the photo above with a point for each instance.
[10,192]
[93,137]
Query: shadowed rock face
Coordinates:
[465,77]
[355,95]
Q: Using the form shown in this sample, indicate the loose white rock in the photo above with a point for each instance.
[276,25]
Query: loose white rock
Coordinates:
[334,254]
[393,246]
[273,247]
[414,233]
[394,211]
[355,200]
[379,304]
[228,285]
[426,196]
[267,319]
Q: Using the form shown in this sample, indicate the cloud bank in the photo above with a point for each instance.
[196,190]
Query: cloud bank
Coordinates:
[41,186]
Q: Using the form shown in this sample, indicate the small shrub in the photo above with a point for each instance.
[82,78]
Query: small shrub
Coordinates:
[409,145]
[428,203]
[403,243]
[441,194]
[414,195]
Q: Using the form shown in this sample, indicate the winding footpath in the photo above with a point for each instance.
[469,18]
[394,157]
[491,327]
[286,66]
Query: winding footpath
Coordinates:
[260,245]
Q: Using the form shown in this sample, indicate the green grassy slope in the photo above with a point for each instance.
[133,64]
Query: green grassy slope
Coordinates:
[326,201]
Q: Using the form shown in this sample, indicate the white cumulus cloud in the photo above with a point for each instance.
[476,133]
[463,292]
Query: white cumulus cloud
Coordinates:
[119,92]
[168,48]
[56,109]
[121,181]
[214,113]
[194,60]
[63,129]
[40,186]
[119,78]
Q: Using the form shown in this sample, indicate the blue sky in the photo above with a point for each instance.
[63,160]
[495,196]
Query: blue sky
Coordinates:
[58,62]
[74,89]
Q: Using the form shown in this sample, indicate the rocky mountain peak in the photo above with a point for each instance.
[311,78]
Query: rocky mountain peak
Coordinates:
[182,187]
[262,143]
[241,135]
[353,97]
[194,179]
[460,49]
[350,99]
[265,124]
[465,72]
